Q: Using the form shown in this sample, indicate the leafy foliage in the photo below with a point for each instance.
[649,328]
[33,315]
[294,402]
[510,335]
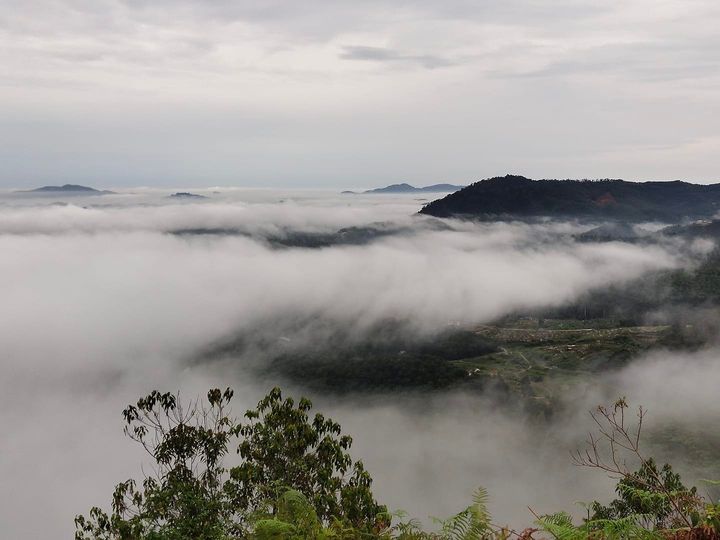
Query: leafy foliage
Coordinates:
[561,527]
[193,495]
[185,498]
[282,448]
[296,480]
[473,523]
[658,494]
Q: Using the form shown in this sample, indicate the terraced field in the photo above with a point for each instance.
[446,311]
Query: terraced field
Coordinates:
[537,361]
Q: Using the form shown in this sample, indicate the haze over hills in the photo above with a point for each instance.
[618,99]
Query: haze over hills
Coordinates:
[407,188]
[187,195]
[518,197]
[69,189]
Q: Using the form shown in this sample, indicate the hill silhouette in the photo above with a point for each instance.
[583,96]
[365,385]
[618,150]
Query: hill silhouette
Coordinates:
[517,197]
[187,195]
[70,189]
[407,188]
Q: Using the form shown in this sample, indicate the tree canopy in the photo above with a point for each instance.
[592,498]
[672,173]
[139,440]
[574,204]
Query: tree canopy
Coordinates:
[295,479]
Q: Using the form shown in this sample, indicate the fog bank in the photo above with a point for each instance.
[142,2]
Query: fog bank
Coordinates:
[103,304]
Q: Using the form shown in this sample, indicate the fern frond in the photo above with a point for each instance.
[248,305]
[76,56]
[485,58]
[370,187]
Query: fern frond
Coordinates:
[473,523]
[561,527]
[628,527]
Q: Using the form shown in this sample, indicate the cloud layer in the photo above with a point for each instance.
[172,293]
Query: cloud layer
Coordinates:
[128,93]
[101,305]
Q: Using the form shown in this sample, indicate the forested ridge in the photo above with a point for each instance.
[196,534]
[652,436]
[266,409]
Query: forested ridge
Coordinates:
[519,197]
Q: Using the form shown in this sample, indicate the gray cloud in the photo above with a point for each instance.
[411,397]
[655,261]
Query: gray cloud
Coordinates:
[191,92]
[381,54]
[681,59]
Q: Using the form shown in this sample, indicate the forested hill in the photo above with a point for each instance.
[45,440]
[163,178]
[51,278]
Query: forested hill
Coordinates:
[519,197]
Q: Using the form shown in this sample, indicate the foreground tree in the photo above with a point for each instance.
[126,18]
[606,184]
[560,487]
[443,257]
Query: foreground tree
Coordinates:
[652,503]
[655,494]
[193,495]
[185,497]
[283,448]
[296,480]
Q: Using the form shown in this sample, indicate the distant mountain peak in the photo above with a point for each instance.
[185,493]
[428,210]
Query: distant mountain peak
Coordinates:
[187,195]
[69,189]
[407,188]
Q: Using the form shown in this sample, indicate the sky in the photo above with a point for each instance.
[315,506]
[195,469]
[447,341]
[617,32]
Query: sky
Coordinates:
[280,93]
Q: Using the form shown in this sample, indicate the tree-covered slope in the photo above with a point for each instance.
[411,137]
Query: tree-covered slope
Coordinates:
[520,197]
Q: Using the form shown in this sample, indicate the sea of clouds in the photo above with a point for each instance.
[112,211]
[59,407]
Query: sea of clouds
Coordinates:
[103,303]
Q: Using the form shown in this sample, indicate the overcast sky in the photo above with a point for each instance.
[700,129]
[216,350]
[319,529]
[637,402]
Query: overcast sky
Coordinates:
[340,94]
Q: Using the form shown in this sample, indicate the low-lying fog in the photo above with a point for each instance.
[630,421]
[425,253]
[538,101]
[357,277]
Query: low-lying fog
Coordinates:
[103,302]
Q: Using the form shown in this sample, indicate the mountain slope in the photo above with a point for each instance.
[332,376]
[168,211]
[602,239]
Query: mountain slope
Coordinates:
[70,189]
[407,188]
[519,197]
[187,195]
